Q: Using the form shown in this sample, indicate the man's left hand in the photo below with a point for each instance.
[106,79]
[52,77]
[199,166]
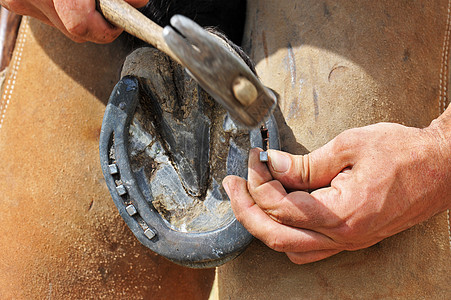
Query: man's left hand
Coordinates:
[369,183]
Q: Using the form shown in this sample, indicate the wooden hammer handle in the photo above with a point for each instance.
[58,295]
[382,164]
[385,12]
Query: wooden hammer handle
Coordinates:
[125,16]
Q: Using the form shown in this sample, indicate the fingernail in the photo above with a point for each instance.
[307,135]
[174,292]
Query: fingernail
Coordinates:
[279,161]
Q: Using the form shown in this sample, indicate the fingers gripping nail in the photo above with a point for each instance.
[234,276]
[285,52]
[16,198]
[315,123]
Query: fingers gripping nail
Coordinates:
[258,172]
[277,236]
[311,171]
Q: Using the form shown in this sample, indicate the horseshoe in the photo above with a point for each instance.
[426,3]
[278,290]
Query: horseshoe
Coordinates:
[165,147]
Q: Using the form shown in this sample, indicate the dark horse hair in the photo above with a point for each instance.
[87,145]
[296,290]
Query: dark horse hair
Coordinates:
[225,18]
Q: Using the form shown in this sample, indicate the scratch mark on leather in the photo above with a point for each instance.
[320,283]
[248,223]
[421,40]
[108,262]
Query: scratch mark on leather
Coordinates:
[293,109]
[11,80]
[292,64]
[301,86]
[315,103]
[335,69]
[265,46]
[327,13]
[91,203]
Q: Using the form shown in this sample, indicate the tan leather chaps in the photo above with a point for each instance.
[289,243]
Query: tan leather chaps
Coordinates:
[61,236]
[338,65]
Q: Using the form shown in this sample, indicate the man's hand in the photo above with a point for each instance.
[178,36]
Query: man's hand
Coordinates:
[77,19]
[369,183]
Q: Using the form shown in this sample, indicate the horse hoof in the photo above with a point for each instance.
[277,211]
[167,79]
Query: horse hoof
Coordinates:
[165,148]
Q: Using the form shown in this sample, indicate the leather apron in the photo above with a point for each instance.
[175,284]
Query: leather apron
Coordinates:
[338,65]
[61,236]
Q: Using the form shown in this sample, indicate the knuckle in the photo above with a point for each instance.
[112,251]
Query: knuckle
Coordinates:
[348,142]
[274,214]
[353,247]
[252,190]
[275,243]
[349,137]
[350,238]
[77,39]
[347,233]
[341,142]
[8,4]
[296,259]
[15,6]
[238,215]
[260,194]
[302,165]
[77,29]
[353,243]
[105,39]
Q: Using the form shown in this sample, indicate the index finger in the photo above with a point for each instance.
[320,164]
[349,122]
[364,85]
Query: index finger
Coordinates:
[275,235]
[258,172]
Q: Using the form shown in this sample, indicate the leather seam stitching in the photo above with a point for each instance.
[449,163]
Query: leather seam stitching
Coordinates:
[11,80]
[443,99]
[449,227]
[444,64]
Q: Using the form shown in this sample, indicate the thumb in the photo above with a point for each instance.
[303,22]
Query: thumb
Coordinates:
[310,171]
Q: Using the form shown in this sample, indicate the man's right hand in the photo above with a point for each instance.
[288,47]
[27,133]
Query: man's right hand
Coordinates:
[77,19]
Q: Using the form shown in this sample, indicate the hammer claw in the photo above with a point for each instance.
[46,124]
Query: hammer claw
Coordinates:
[218,68]
[191,31]
[184,47]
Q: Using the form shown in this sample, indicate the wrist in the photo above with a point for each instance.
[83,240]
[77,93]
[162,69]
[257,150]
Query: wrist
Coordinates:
[440,129]
[440,132]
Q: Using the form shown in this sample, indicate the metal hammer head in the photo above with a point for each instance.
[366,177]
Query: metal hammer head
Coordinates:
[220,71]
